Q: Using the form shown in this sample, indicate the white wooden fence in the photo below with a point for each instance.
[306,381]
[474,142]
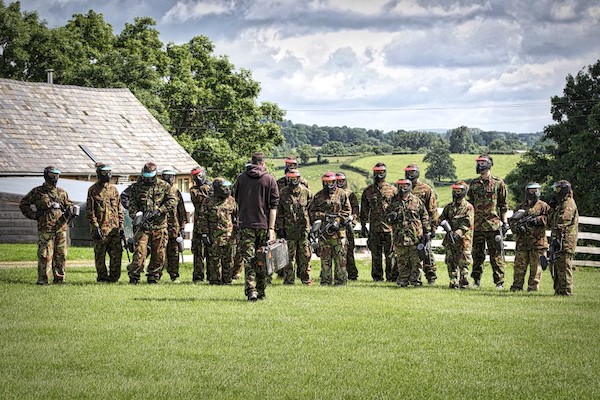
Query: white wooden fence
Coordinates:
[588,248]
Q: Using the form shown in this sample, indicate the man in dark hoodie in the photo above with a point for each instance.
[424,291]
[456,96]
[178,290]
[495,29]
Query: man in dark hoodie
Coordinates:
[257,196]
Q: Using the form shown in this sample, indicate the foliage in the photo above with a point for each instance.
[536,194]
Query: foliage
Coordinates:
[440,164]
[461,141]
[574,142]
[305,152]
[176,341]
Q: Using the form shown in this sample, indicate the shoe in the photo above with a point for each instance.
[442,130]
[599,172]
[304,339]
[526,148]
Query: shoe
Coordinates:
[402,284]
[465,287]
[353,278]
[431,282]
[308,282]
[477,283]
[252,297]
[262,296]
[133,281]
[175,280]
[513,289]
[452,286]
[58,282]
[499,287]
[42,283]
[152,282]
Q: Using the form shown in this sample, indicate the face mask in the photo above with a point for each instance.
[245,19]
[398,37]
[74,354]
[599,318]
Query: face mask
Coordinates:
[169,179]
[379,176]
[294,182]
[483,165]
[104,178]
[458,195]
[533,197]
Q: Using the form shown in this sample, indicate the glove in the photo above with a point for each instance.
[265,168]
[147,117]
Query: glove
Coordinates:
[537,222]
[364,232]
[335,226]
[521,229]
[39,214]
[121,233]
[392,216]
[206,239]
[426,237]
[454,236]
[556,244]
[68,212]
[280,233]
[97,233]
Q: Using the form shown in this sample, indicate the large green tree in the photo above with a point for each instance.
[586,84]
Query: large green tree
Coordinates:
[461,141]
[575,152]
[441,164]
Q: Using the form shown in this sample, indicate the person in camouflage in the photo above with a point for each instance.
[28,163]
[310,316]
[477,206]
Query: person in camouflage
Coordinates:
[153,199]
[176,221]
[531,238]
[53,210]
[218,221]
[198,193]
[458,241]
[238,263]
[289,164]
[257,196]
[331,206]
[488,195]
[293,224]
[342,183]
[105,216]
[410,221]
[374,203]
[424,192]
[564,224]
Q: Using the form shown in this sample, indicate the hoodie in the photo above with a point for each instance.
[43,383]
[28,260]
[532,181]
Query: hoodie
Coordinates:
[256,193]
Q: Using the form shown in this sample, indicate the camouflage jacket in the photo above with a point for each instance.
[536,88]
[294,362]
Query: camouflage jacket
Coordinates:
[283,182]
[292,212]
[104,208]
[427,196]
[177,217]
[412,217]
[217,218]
[198,194]
[374,204]
[324,204]
[50,203]
[489,200]
[534,237]
[461,217]
[564,223]
[354,206]
[151,197]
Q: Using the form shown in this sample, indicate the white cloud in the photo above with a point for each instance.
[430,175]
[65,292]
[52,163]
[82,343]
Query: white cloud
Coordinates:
[414,8]
[563,11]
[185,10]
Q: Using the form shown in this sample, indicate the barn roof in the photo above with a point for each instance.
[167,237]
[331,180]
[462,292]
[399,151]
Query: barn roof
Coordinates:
[44,124]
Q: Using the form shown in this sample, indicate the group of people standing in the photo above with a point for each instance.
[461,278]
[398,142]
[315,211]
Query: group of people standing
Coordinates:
[232,221]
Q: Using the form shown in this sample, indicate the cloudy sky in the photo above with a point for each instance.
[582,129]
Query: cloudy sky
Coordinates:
[384,64]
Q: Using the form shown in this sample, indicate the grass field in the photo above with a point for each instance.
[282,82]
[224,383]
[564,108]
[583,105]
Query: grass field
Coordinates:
[362,341]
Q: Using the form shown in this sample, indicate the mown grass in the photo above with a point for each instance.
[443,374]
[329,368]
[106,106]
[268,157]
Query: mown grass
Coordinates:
[362,341]
[28,252]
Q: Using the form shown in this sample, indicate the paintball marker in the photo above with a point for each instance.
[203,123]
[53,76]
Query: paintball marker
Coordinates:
[180,244]
[520,220]
[124,244]
[499,239]
[554,248]
[424,249]
[449,233]
[314,234]
[332,225]
[143,220]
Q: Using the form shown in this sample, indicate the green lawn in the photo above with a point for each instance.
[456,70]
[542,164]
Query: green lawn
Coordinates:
[27,252]
[362,341]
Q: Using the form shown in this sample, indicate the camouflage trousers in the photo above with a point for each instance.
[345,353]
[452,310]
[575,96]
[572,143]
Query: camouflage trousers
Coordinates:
[523,259]
[219,264]
[299,253]
[238,263]
[563,275]
[111,244]
[409,265]
[52,256]
[157,238]
[350,262]
[200,253]
[458,260]
[333,251]
[172,258]
[429,267]
[256,276]
[480,240]
[380,244]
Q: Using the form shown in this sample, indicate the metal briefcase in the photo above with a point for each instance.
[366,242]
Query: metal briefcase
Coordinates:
[274,256]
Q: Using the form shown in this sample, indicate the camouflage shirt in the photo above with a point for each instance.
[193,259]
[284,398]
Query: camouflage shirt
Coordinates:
[50,203]
[177,217]
[292,211]
[488,197]
[353,204]
[198,194]
[104,207]
[534,237]
[324,204]
[564,222]
[217,216]
[412,217]
[150,197]
[427,196]
[461,217]
[374,204]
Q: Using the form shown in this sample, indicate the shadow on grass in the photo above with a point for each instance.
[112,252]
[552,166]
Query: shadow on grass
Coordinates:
[187,299]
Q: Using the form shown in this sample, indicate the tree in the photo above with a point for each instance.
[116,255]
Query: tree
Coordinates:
[575,152]
[305,152]
[461,141]
[441,164]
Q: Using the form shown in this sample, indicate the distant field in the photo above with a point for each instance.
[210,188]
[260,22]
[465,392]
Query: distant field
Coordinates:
[465,169]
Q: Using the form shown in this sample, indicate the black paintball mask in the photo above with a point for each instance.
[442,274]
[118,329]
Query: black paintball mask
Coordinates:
[168,176]
[341,182]
[412,172]
[483,163]
[560,190]
[51,175]
[198,176]
[459,191]
[404,186]
[379,172]
[533,192]
[103,172]
[293,178]
[222,188]
[149,173]
[329,182]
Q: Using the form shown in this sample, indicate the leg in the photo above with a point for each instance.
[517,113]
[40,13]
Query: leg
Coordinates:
[59,258]
[391,267]
[45,254]
[303,254]
[115,254]
[136,267]
[376,256]
[478,256]
[159,239]
[289,273]
[403,266]
[414,265]
[535,270]
[339,257]
[452,265]
[198,252]
[100,247]
[326,261]
[350,261]
[495,258]
[520,267]
[172,258]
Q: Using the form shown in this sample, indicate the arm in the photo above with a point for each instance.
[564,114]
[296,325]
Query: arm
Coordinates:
[89,210]
[25,206]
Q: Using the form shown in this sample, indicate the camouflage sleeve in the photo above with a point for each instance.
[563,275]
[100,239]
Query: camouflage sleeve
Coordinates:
[346,210]
[181,212]
[364,208]
[169,202]
[470,194]
[133,202]
[464,220]
[424,215]
[203,220]
[565,218]
[25,205]
[354,206]
[432,209]
[502,199]
[313,211]
[90,207]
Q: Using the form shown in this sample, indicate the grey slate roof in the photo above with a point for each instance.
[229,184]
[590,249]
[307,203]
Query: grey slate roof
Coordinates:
[43,124]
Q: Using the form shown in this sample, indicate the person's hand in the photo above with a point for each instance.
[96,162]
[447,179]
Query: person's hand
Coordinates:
[454,236]
[97,233]
[271,235]
[206,239]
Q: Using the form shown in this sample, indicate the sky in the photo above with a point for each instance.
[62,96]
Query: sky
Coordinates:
[383,64]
